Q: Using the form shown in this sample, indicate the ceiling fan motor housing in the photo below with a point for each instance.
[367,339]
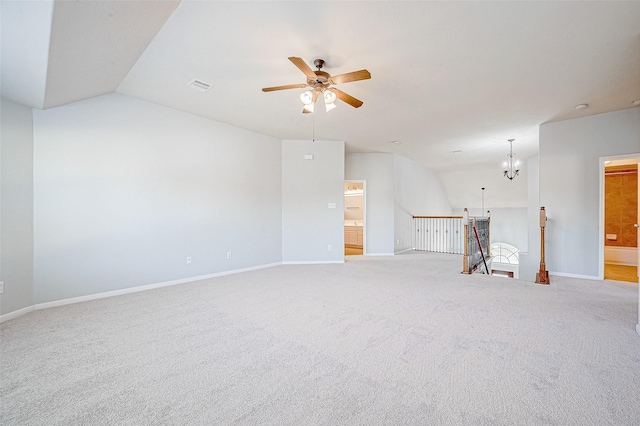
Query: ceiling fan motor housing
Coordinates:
[321,80]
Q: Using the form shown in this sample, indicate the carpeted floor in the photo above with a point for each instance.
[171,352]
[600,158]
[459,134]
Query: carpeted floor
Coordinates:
[402,340]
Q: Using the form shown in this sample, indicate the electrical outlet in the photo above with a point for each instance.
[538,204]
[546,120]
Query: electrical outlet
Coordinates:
[398,242]
[228,255]
[1,287]
[329,247]
[188,259]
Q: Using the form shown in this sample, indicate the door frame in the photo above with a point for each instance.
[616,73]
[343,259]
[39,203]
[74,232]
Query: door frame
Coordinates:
[364,212]
[601,241]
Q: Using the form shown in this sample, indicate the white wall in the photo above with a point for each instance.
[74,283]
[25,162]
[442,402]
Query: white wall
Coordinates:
[464,186]
[309,226]
[570,184]
[378,171]
[530,261]
[16,206]
[125,190]
[417,192]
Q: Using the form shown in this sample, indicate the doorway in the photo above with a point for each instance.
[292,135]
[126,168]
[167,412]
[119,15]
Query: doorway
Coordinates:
[354,218]
[619,218]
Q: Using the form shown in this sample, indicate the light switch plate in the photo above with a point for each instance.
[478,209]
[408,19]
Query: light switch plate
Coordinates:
[332,205]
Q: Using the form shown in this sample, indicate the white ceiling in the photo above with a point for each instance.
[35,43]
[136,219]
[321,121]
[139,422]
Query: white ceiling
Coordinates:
[446,76]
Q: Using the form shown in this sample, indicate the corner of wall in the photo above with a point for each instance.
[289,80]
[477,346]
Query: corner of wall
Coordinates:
[16,206]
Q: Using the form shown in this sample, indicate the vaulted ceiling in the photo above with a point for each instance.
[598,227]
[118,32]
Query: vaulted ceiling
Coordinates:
[451,81]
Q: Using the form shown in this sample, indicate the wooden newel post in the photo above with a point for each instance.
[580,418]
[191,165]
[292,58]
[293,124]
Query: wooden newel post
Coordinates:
[465,258]
[542,276]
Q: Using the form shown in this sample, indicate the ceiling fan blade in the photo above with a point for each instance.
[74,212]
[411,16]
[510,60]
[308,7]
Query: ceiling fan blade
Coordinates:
[313,101]
[289,86]
[303,67]
[356,103]
[351,76]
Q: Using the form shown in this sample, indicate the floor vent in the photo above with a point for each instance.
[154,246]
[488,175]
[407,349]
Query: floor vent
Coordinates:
[199,85]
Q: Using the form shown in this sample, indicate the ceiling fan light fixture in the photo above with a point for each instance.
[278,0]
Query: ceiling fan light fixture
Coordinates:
[329,97]
[307,98]
[319,83]
[329,100]
[308,107]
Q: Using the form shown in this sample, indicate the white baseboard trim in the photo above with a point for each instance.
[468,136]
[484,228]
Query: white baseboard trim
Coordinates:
[380,254]
[583,277]
[123,291]
[15,314]
[404,250]
[311,262]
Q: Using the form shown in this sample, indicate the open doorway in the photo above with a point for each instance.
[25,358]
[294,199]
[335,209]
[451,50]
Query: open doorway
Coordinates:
[619,218]
[354,218]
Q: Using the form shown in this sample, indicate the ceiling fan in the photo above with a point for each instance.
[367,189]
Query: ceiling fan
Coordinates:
[321,83]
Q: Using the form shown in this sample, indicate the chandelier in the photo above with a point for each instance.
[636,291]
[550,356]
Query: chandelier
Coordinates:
[511,166]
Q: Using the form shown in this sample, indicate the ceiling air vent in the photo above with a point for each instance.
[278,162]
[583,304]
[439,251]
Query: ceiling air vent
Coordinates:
[199,85]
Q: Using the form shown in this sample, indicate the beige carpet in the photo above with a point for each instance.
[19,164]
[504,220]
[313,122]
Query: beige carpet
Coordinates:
[403,340]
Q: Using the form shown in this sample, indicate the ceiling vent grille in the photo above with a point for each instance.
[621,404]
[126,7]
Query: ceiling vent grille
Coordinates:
[199,85]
